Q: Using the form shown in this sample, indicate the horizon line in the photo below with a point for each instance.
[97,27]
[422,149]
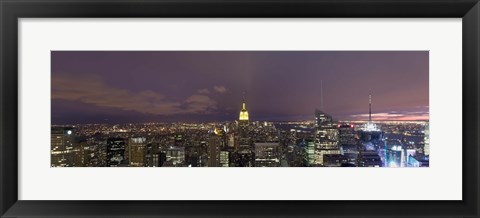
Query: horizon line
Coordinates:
[276,121]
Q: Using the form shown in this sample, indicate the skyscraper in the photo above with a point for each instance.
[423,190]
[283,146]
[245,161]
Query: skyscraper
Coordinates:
[346,134]
[326,136]
[214,148]
[115,151]
[244,139]
[224,158]
[137,151]
[267,154]
[62,147]
[243,117]
[175,156]
[370,131]
[326,133]
[426,148]
[395,153]
[322,118]
[311,152]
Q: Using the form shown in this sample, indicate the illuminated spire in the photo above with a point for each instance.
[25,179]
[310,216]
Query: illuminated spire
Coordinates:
[370,126]
[243,113]
[243,103]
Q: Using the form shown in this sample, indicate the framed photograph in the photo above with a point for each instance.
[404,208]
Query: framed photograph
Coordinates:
[239,108]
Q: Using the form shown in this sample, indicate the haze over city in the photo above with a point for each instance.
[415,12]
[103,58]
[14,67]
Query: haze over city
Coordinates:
[204,86]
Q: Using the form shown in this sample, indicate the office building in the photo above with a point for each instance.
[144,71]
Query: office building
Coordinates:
[243,117]
[267,154]
[326,137]
[334,160]
[175,156]
[63,147]
[426,149]
[137,151]
[369,159]
[214,147]
[346,134]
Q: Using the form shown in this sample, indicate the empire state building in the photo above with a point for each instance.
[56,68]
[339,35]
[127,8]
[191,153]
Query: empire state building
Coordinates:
[243,118]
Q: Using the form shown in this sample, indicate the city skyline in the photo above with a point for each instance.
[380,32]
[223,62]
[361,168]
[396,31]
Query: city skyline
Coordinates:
[206,86]
[202,109]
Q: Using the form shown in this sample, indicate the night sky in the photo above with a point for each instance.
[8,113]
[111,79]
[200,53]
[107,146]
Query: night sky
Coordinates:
[199,86]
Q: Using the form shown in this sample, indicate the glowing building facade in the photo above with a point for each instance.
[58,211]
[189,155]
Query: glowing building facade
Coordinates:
[62,147]
[395,153]
[137,152]
[243,117]
[175,156]
[326,136]
[245,143]
[426,149]
[370,131]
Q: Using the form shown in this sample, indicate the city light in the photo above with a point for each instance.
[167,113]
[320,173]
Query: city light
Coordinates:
[240,109]
[320,142]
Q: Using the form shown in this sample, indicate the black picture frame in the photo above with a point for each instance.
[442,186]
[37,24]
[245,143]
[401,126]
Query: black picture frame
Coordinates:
[12,10]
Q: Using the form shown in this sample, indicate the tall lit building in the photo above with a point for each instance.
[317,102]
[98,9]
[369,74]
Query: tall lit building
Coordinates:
[346,134]
[151,150]
[224,160]
[231,140]
[137,151]
[370,131]
[326,136]
[395,153]
[322,118]
[175,156]
[115,151]
[426,148]
[347,143]
[62,147]
[243,117]
[394,157]
[310,151]
[90,155]
[244,136]
[62,137]
[214,148]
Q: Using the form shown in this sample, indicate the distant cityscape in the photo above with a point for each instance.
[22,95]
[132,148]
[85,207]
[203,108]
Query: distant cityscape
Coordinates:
[240,108]
[319,142]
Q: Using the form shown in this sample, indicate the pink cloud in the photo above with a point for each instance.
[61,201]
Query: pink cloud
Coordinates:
[393,115]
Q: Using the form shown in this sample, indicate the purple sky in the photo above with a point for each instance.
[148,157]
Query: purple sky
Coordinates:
[166,86]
